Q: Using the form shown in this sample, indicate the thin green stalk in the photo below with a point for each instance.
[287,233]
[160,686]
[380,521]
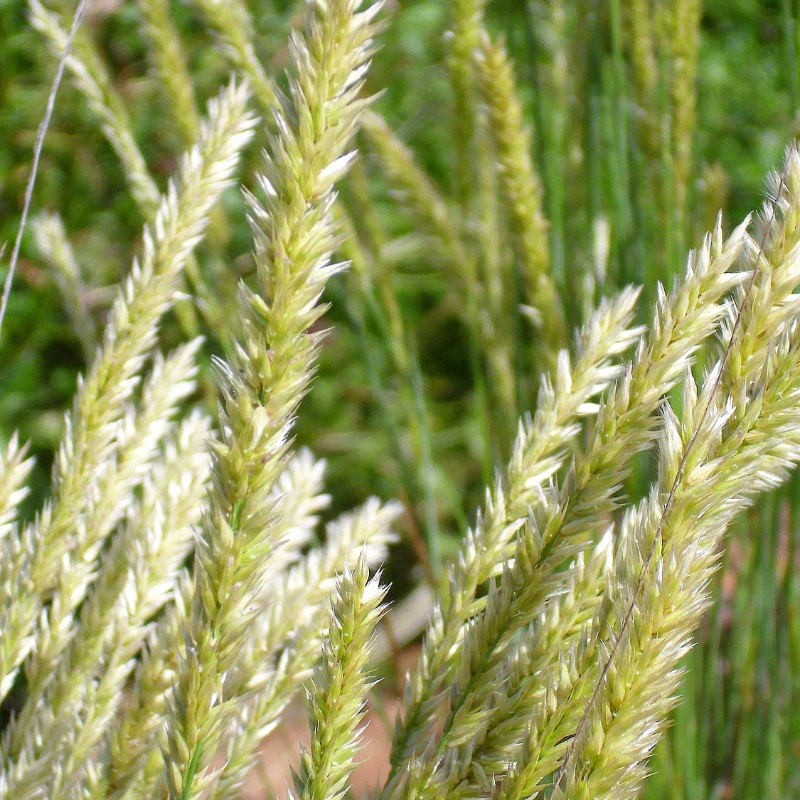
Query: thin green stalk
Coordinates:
[168,57]
[231,21]
[418,478]
[55,249]
[434,216]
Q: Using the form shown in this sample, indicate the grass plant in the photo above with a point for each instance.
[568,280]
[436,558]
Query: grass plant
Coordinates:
[607,518]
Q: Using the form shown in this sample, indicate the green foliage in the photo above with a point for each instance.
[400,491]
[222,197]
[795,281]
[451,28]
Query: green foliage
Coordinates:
[520,164]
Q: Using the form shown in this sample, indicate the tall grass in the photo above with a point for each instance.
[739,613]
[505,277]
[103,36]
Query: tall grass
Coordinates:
[523,167]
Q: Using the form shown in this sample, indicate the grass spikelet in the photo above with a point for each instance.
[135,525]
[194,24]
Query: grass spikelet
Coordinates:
[291,631]
[274,665]
[133,755]
[135,580]
[545,741]
[338,688]
[607,742]
[271,369]
[60,633]
[155,543]
[93,80]
[230,20]
[466,18]
[102,396]
[564,519]
[169,59]
[134,759]
[299,491]
[422,198]
[539,451]
[138,438]
[56,251]
[14,470]
[531,676]
[713,460]
[521,188]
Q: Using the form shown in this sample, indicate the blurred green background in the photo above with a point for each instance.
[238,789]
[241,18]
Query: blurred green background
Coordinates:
[636,153]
